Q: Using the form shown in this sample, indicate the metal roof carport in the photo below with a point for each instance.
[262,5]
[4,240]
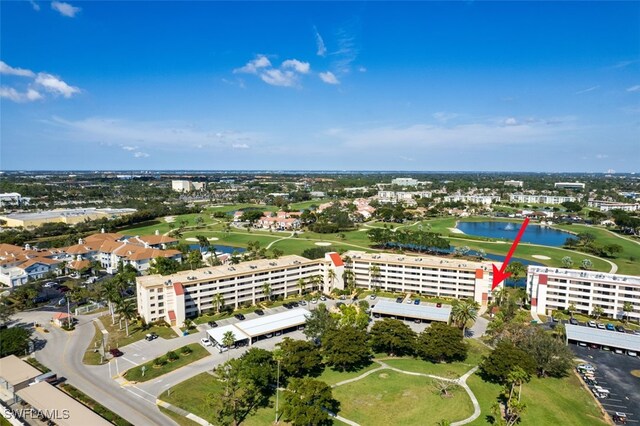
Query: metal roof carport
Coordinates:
[217,334]
[273,323]
[612,339]
[405,310]
[62,409]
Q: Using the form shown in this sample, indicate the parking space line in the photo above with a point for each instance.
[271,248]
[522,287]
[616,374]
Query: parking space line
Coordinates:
[611,405]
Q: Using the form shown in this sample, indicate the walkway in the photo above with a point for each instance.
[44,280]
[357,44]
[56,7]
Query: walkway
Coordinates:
[280,239]
[184,413]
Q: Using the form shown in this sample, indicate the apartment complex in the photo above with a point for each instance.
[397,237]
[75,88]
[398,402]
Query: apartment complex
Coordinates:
[393,197]
[541,199]
[187,186]
[569,185]
[555,289]
[424,275]
[475,199]
[68,216]
[18,265]
[13,199]
[405,182]
[173,298]
[606,206]
[516,183]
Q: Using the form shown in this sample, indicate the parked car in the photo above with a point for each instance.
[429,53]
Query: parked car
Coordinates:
[115,352]
[303,303]
[619,418]
[600,326]
[618,351]
[416,302]
[554,319]
[372,297]
[294,304]
[323,298]
[438,305]
[212,324]
[632,353]
[399,300]
[591,324]
[583,344]
[150,336]
[259,312]
[268,335]
[205,342]
[239,316]
[314,301]
[50,284]
[620,329]
[610,327]
[288,305]
[573,321]
[343,297]
[409,301]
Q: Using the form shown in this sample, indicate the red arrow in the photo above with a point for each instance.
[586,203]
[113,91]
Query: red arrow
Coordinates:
[500,275]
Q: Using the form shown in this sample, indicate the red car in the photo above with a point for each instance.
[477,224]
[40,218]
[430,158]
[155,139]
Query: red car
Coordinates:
[115,352]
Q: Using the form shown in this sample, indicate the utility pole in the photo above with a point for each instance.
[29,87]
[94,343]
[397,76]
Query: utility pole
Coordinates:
[68,313]
[277,390]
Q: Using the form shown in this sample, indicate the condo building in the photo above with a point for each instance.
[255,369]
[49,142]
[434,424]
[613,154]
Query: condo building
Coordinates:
[541,199]
[173,298]
[553,289]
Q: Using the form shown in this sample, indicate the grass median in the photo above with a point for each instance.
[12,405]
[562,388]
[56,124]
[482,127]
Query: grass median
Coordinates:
[167,363]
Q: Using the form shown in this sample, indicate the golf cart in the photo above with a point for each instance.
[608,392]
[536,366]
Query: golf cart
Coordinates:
[620,418]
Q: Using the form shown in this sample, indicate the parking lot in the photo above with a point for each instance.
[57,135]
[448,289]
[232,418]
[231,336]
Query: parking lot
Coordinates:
[613,372]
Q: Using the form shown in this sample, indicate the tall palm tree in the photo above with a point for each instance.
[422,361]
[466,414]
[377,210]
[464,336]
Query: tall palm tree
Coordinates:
[500,295]
[266,289]
[228,339]
[110,293]
[218,301]
[374,273]
[301,285]
[571,309]
[463,312]
[626,308]
[597,312]
[331,274]
[126,310]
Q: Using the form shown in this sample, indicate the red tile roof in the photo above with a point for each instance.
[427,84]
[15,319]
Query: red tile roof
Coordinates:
[336,259]
[61,315]
[177,288]
[172,315]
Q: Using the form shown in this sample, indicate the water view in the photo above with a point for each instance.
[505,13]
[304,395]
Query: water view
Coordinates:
[534,234]
[218,248]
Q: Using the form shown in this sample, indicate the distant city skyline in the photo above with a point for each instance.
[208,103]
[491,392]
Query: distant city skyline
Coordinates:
[417,86]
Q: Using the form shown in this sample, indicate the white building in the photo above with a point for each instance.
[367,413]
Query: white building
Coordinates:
[475,199]
[187,186]
[553,289]
[186,294]
[516,183]
[540,199]
[12,199]
[569,185]
[606,206]
[405,182]
[394,197]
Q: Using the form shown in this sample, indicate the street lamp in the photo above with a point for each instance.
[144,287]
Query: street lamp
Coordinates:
[277,390]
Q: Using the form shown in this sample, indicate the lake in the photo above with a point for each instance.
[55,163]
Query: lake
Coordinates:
[219,248]
[534,234]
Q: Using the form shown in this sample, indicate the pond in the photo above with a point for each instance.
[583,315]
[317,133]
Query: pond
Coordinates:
[219,248]
[534,234]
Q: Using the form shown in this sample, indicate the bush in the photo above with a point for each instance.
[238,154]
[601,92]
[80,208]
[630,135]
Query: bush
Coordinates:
[186,350]
[172,356]
[159,362]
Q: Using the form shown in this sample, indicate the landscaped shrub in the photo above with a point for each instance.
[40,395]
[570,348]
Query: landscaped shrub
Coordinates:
[172,356]
[186,350]
[159,362]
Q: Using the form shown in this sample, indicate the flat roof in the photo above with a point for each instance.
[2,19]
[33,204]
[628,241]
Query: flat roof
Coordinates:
[423,312]
[216,272]
[66,411]
[423,260]
[50,214]
[275,322]
[16,371]
[614,339]
[585,275]
[217,333]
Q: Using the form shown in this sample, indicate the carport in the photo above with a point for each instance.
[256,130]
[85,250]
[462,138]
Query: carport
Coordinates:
[269,324]
[611,339]
[412,311]
[217,334]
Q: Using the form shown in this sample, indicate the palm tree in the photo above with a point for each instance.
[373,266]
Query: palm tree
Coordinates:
[499,295]
[331,274]
[597,312]
[266,289]
[374,273]
[127,311]
[463,312]
[571,309]
[110,293]
[228,339]
[301,285]
[218,301]
[626,308]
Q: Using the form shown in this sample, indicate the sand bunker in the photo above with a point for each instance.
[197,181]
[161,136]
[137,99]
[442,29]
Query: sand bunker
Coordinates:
[455,231]
[321,243]
[191,239]
[541,257]
[170,219]
[213,238]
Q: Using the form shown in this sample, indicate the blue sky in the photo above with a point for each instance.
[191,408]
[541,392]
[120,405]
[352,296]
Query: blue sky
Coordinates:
[493,86]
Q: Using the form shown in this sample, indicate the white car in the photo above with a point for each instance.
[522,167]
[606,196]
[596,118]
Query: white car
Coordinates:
[314,301]
[372,297]
[49,284]
[632,353]
[205,342]
[618,351]
[323,298]
[409,301]
[600,326]
[591,324]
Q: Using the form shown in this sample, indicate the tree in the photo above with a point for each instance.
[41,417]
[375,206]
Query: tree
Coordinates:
[203,242]
[445,384]
[374,273]
[551,356]
[346,349]
[463,312]
[626,308]
[194,258]
[218,301]
[14,341]
[514,407]
[500,295]
[127,311]
[228,339]
[441,342]
[300,358]
[571,206]
[331,275]
[301,285]
[266,290]
[5,313]
[572,308]
[587,264]
[393,337]
[258,368]
[351,316]
[164,266]
[597,312]
[319,322]
[567,262]
[239,396]
[503,359]
[306,402]
[517,270]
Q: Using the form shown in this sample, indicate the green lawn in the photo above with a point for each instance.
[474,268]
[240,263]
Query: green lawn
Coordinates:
[549,402]
[151,372]
[193,395]
[119,338]
[91,357]
[331,376]
[391,398]
[181,420]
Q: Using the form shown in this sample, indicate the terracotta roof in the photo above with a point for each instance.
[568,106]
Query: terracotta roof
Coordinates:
[156,239]
[177,288]
[109,246]
[78,264]
[79,249]
[336,259]
[61,315]
[172,315]
[107,236]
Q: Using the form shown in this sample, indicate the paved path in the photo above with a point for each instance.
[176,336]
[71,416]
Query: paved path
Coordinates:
[280,239]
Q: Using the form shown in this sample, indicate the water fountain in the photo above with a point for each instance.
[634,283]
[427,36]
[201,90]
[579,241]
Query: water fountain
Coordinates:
[509,227]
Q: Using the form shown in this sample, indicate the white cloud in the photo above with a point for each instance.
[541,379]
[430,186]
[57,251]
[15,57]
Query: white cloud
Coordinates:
[362,69]
[65,9]
[240,146]
[56,86]
[129,148]
[443,117]
[624,64]
[35,5]
[276,77]
[15,96]
[140,154]
[590,89]
[7,69]
[635,88]
[328,77]
[322,49]
[252,67]
[601,156]
[298,66]
[510,121]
